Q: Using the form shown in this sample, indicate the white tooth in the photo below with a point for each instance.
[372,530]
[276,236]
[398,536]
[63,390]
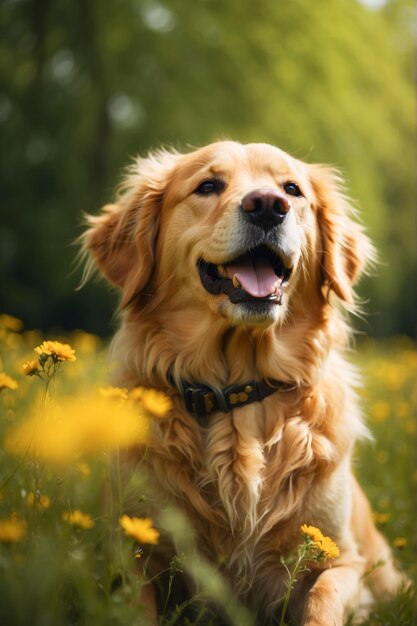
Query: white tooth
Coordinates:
[236,282]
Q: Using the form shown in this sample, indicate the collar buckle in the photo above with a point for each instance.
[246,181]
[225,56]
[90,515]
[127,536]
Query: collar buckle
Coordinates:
[201,400]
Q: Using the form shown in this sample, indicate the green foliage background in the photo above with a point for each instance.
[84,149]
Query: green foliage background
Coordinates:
[84,86]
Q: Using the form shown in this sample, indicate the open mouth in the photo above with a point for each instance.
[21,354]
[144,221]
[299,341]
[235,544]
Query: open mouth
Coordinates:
[259,275]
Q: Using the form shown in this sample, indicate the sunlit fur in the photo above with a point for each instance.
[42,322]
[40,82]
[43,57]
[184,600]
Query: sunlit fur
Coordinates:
[251,477]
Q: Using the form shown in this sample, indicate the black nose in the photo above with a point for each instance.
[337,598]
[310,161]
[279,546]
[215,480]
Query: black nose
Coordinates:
[265,207]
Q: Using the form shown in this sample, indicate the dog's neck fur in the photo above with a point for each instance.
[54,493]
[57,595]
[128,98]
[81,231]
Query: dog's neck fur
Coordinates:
[150,350]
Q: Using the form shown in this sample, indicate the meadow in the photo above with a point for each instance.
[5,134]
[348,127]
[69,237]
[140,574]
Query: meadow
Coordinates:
[64,560]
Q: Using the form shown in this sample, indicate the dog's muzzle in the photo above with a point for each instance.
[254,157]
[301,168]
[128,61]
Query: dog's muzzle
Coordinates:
[258,275]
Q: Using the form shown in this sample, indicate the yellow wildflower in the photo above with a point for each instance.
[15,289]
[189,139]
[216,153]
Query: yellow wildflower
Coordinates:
[57,350]
[399,377]
[12,529]
[43,500]
[7,382]
[312,532]
[155,402]
[78,519]
[381,518]
[136,393]
[328,547]
[30,367]
[400,542]
[140,529]
[114,392]
[80,425]
[85,470]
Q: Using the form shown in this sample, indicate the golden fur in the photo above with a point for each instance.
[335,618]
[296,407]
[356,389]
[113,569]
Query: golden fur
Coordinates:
[251,477]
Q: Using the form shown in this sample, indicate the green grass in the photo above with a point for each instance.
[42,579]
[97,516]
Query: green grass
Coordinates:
[386,466]
[57,574]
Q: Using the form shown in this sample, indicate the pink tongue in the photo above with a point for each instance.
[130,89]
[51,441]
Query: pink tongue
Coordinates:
[257,277]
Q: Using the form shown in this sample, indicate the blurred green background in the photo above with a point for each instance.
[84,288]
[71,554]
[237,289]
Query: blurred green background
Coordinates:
[84,86]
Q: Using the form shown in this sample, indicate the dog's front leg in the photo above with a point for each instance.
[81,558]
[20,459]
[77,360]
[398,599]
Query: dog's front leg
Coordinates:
[334,595]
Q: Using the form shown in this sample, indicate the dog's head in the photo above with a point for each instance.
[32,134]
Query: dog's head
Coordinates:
[244,230]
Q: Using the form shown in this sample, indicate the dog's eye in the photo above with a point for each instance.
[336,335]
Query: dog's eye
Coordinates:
[292,189]
[208,187]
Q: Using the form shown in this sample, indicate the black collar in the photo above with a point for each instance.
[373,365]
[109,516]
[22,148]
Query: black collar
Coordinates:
[201,400]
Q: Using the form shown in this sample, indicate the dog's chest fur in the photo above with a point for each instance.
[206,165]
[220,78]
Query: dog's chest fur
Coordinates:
[242,488]
[248,480]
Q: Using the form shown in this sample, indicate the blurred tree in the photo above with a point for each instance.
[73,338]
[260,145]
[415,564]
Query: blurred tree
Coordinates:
[86,86]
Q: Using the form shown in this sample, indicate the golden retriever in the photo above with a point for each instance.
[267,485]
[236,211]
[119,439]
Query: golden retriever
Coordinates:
[236,265]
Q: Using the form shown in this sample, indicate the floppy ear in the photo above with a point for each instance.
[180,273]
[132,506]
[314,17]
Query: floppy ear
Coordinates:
[122,239]
[346,250]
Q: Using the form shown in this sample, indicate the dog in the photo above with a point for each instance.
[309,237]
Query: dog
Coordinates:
[236,266]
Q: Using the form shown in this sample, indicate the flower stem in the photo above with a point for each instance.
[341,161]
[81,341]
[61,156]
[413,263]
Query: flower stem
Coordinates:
[290,583]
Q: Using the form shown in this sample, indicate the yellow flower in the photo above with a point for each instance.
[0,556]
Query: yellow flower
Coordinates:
[57,350]
[30,367]
[400,542]
[12,529]
[381,518]
[43,500]
[114,392]
[140,529]
[155,402]
[312,532]
[7,382]
[324,546]
[81,425]
[78,519]
[85,470]
[136,393]
[328,547]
